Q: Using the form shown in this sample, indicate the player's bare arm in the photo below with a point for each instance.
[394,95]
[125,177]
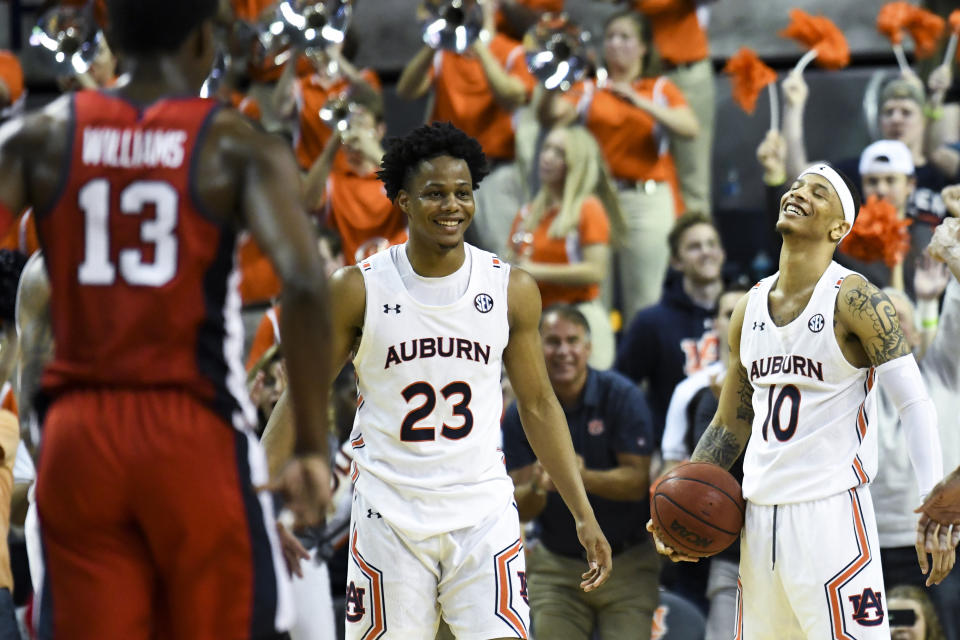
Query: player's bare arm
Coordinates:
[36,341]
[867,319]
[242,169]
[347,288]
[544,423]
[865,314]
[31,151]
[729,431]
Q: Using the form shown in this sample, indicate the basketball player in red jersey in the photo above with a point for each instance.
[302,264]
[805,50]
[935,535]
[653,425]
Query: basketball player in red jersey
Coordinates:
[148,469]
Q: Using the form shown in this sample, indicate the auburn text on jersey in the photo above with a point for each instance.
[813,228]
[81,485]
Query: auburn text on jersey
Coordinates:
[443,347]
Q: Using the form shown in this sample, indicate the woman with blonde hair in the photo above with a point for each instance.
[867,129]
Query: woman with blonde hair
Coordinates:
[912,616]
[562,236]
[634,113]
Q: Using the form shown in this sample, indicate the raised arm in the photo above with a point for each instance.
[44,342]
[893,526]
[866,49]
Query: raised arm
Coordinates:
[509,91]
[415,80]
[795,93]
[544,422]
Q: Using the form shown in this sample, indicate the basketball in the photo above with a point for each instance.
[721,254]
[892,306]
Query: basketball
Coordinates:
[698,508]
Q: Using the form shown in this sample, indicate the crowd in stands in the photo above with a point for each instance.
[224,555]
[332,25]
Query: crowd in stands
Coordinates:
[602,193]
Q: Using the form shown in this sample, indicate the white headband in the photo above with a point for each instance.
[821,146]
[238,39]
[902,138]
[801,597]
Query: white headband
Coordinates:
[846,198]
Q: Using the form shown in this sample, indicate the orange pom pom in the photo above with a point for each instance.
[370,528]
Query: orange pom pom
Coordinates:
[955,21]
[925,28]
[892,20]
[748,75]
[820,34]
[878,234]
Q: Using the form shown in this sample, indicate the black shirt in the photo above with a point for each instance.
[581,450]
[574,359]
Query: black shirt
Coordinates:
[612,417]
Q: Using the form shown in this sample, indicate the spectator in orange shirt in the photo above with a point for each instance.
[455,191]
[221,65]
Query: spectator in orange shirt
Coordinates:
[11,83]
[562,237]
[300,98]
[680,36]
[267,333]
[478,91]
[353,199]
[633,116]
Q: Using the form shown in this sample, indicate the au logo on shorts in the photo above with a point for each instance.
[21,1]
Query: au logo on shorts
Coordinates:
[354,603]
[816,323]
[863,604]
[483,302]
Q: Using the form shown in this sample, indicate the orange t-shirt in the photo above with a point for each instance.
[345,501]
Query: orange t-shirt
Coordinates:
[312,135]
[633,144]
[267,335]
[677,33]
[594,228]
[258,280]
[358,209]
[463,96]
[11,73]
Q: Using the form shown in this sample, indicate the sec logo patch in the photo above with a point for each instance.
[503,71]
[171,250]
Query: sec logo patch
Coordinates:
[816,323]
[483,303]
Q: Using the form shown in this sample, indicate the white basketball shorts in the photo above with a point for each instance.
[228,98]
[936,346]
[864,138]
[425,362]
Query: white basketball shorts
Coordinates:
[812,570]
[398,588]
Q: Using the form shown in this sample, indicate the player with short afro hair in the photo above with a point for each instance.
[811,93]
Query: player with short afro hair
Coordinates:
[145,27]
[404,155]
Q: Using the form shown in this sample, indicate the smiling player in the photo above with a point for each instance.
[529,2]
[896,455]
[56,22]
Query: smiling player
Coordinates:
[434,528]
[808,345]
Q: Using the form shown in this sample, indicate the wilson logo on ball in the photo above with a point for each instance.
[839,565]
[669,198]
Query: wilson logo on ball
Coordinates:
[679,531]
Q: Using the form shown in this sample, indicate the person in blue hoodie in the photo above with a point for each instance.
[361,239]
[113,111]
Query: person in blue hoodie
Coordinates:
[674,338]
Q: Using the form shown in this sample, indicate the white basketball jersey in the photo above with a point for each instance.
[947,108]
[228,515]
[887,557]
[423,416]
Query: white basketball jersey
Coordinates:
[427,431]
[813,411]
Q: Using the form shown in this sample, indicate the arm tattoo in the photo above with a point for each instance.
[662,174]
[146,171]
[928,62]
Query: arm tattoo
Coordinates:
[868,305]
[719,446]
[745,397]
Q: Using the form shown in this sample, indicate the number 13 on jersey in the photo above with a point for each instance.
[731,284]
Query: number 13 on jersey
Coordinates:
[160,231]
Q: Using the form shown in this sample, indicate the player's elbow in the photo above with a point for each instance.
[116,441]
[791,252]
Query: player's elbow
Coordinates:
[305,285]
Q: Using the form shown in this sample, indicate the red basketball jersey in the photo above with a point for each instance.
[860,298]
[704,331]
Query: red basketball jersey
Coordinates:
[143,280]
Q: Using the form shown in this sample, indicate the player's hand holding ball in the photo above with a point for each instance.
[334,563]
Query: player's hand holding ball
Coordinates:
[696,511]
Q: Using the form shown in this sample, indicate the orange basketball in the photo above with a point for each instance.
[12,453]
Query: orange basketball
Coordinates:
[698,508]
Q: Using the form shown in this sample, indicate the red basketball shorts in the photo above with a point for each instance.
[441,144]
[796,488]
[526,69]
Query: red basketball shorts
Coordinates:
[151,525]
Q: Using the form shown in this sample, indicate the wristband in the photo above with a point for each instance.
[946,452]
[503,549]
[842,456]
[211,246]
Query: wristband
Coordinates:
[928,312]
[932,112]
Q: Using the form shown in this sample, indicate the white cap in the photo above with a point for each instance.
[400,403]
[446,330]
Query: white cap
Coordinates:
[886,156]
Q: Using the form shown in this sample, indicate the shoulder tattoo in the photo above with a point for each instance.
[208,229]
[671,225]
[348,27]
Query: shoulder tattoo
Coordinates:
[870,307]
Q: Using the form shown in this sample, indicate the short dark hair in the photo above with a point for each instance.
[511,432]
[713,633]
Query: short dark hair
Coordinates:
[404,155]
[568,312]
[854,191]
[11,265]
[155,26]
[684,222]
